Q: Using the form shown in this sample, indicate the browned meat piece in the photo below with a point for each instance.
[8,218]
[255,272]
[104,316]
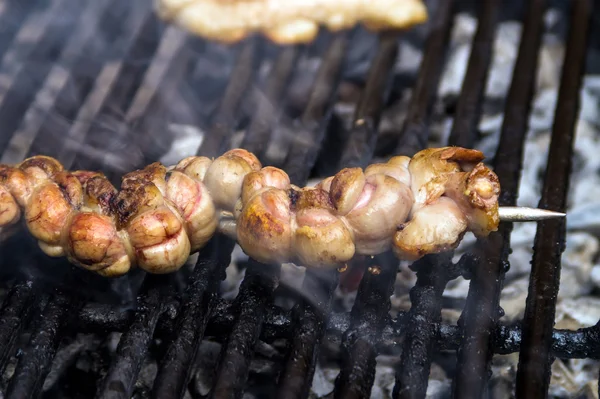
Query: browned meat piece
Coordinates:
[287,21]
[434,228]
[225,176]
[264,230]
[162,214]
[457,173]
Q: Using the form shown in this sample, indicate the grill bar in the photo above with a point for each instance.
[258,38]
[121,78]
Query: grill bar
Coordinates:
[217,139]
[176,366]
[278,324]
[533,375]
[122,83]
[256,291]
[15,314]
[133,345]
[27,80]
[415,131]
[433,271]
[34,364]
[363,135]
[412,374]
[470,101]
[12,16]
[267,110]
[423,318]
[77,86]
[313,122]
[369,314]
[311,313]
[359,346]
[309,323]
[160,85]
[482,306]
[37,117]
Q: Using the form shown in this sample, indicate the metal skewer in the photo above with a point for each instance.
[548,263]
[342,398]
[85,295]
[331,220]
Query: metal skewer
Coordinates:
[525,214]
[227,223]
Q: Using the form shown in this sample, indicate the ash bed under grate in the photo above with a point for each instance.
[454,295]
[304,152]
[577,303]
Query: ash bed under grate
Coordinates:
[104,85]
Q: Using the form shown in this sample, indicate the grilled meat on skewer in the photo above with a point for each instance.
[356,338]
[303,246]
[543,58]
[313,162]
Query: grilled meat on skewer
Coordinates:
[286,22]
[163,214]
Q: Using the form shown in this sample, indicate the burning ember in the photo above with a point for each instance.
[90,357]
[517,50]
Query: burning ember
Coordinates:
[107,86]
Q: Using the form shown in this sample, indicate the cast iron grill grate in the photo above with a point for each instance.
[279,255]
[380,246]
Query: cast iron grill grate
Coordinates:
[130,90]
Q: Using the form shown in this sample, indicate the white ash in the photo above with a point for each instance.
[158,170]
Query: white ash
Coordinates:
[323,383]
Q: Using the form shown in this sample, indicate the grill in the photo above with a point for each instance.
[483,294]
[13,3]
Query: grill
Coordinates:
[46,57]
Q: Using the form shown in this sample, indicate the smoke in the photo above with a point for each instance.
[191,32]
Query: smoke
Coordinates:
[104,85]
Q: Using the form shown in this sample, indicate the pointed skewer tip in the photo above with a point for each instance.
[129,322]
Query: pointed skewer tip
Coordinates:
[525,214]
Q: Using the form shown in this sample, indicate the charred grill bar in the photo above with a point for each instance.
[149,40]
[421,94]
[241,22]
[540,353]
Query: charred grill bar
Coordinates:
[533,376]
[256,291]
[482,310]
[278,324]
[182,320]
[311,313]
[434,271]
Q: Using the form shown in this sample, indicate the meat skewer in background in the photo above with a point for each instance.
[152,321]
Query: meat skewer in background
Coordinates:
[163,214]
[286,21]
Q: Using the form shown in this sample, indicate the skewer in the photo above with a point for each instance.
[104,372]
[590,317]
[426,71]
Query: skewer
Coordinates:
[414,205]
[511,214]
[526,214]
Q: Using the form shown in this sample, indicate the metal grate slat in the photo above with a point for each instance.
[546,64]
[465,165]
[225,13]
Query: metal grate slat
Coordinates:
[533,374]
[122,81]
[12,16]
[361,142]
[39,121]
[413,138]
[415,131]
[368,317]
[434,271]
[256,292]
[176,366]
[217,139]
[15,312]
[312,124]
[133,344]
[77,102]
[470,101]
[34,363]
[370,310]
[482,311]
[278,324]
[21,92]
[318,286]
[76,87]
[147,115]
[268,108]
